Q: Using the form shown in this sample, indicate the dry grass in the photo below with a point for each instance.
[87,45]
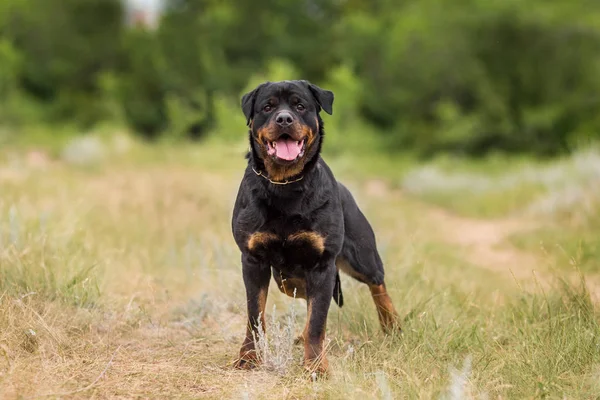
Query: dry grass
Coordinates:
[520,187]
[122,280]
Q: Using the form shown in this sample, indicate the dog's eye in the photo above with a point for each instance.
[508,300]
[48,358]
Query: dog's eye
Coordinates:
[267,108]
[300,107]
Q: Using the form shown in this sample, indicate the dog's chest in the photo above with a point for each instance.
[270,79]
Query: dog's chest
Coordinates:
[302,248]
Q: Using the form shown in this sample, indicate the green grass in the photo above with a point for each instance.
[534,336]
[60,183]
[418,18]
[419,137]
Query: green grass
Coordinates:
[43,251]
[564,242]
[130,280]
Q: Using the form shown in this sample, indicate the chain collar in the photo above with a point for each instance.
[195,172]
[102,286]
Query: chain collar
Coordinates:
[259,173]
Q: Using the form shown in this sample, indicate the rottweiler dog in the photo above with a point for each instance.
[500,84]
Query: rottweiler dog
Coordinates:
[294,221]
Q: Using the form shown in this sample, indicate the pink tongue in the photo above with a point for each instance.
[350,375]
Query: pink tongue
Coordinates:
[288,149]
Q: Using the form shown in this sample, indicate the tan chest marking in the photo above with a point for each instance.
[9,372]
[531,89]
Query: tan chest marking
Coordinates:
[260,239]
[316,240]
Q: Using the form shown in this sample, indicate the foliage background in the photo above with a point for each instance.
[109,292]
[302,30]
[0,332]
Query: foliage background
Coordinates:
[468,77]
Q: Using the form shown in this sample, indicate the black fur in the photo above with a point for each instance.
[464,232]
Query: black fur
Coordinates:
[315,205]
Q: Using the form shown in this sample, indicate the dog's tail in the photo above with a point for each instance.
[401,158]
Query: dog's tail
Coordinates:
[338,297]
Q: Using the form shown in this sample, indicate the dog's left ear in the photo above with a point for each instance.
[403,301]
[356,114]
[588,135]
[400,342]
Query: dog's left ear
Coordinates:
[324,97]
[248,101]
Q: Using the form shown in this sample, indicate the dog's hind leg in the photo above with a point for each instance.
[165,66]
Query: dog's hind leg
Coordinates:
[360,259]
[388,316]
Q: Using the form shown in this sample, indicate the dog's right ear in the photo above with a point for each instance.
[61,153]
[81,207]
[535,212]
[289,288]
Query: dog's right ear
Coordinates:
[248,101]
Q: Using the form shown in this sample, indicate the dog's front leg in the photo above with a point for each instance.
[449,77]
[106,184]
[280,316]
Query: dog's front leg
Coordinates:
[256,279]
[320,282]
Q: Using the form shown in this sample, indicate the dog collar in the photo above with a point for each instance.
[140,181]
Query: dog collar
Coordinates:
[259,173]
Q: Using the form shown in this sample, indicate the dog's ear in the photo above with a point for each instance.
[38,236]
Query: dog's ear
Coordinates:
[248,101]
[324,97]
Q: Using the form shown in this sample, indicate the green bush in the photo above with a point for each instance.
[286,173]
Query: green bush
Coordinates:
[430,76]
[142,90]
[64,46]
[475,75]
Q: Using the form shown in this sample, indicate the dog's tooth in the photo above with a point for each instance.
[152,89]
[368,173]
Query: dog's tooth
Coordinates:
[274,144]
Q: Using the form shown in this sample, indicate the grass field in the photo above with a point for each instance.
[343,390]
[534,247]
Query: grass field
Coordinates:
[119,278]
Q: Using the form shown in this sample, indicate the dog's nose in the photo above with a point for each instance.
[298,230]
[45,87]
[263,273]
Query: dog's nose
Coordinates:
[284,118]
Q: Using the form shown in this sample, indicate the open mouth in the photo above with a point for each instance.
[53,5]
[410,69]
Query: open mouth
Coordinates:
[286,148]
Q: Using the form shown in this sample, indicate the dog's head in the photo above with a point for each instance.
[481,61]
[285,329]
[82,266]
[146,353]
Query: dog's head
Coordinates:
[285,125]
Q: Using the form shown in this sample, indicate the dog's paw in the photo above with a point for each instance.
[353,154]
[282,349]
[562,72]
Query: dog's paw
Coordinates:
[393,326]
[317,369]
[390,323]
[247,361]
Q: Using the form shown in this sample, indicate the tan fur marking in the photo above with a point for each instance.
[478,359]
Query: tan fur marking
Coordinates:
[388,317]
[308,312]
[315,359]
[289,284]
[260,239]
[309,134]
[345,267]
[303,338]
[269,133]
[280,173]
[266,133]
[315,239]
[248,358]
[262,301]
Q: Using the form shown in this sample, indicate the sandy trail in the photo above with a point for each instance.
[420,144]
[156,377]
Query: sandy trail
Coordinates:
[485,243]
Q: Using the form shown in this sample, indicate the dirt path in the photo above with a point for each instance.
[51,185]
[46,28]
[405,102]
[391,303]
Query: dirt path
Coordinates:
[485,243]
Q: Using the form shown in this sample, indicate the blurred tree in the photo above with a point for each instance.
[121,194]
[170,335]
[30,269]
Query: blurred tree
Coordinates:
[64,45]
[467,76]
[214,46]
[473,75]
[142,86]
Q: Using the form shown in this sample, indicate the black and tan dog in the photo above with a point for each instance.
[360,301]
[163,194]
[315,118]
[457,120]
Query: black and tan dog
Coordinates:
[293,220]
